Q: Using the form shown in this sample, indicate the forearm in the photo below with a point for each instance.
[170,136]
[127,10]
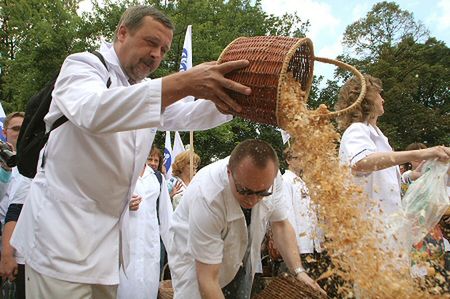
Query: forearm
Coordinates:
[7,249]
[285,242]
[173,88]
[382,160]
[210,290]
[208,280]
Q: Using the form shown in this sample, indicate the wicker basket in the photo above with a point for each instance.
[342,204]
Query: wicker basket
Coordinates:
[271,59]
[288,287]
[165,290]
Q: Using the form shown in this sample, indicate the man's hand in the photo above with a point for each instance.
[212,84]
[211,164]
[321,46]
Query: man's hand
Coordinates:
[135,202]
[308,280]
[8,266]
[206,81]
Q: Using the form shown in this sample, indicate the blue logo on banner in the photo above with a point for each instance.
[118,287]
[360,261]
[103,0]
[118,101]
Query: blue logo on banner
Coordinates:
[2,137]
[183,63]
[167,159]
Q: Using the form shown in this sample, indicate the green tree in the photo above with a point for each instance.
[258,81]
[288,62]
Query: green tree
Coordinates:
[389,44]
[384,25]
[36,36]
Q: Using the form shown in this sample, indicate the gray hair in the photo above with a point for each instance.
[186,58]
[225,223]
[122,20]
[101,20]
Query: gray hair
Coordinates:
[133,16]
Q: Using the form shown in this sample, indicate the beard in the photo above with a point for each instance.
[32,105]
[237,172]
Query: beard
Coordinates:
[143,69]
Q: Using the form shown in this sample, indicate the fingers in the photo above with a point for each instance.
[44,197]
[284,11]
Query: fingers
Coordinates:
[135,202]
[230,66]
[443,153]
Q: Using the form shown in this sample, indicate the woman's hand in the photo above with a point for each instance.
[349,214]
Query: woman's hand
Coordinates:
[135,202]
[176,189]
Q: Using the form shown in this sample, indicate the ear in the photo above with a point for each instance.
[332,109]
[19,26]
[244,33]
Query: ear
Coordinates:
[122,33]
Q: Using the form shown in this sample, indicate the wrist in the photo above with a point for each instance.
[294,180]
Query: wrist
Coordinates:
[298,270]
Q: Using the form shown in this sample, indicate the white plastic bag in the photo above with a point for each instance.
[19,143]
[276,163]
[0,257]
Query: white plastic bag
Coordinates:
[426,199]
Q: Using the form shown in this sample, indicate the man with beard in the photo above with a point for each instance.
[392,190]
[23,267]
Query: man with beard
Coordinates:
[70,230]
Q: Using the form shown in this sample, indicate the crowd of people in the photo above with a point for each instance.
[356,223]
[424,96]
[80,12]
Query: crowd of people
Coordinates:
[100,215]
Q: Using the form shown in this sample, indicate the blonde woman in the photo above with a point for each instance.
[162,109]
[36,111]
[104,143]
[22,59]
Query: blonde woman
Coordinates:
[366,150]
[181,175]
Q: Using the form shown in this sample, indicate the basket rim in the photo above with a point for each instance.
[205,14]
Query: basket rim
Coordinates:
[283,72]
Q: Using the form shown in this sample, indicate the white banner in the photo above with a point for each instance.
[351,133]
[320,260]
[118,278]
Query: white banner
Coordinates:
[168,156]
[178,146]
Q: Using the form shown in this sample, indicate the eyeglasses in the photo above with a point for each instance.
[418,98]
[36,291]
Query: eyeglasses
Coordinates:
[15,128]
[247,192]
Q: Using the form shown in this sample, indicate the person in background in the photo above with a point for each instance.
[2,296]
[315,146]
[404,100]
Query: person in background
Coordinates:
[302,215]
[155,159]
[151,211]
[181,175]
[12,266]
[72,229]
[218,228]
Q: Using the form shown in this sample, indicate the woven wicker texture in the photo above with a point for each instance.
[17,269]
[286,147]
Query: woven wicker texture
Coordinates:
[165,290]
[287,287]
[270,58]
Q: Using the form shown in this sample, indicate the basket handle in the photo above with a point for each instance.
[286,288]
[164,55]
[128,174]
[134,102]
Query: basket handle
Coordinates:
[357,73]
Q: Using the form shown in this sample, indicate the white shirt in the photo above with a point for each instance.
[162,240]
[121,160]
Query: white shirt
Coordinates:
[359,141]
[301,214]
[383,186]
[69,227]
[16,193]
[8,191]
[209,226]
[142,275]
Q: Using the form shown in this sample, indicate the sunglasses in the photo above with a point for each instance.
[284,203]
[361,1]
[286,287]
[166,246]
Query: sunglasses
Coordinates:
[248,192]
[15,128]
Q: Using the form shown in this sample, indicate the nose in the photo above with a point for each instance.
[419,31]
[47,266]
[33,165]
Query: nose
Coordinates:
[155,52]
[253,199]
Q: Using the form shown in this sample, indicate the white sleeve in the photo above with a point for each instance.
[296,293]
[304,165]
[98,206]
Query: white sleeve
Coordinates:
[356,144]
[193,115]
[22,190]
[205,239]
[279,200]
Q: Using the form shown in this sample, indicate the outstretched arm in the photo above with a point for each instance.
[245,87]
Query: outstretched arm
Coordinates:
[382,160]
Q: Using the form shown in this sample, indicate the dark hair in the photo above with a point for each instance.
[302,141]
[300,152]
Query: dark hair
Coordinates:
[348,94]
[258,150]
[11,116]
[133,16]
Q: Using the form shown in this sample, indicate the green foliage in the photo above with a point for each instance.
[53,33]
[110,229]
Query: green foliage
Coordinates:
[385,25]
[415,73]
[36,37]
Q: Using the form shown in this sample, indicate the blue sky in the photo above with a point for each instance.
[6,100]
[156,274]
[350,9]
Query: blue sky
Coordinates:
[329,18]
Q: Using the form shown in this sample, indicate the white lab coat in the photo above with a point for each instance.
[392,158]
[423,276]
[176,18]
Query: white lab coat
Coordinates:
[383,186]
[302,214]
[209,226]
[141,280]
[70,224]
